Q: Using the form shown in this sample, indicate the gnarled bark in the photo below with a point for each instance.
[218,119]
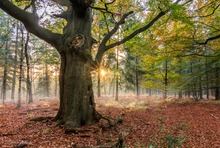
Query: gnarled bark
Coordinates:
[77,105]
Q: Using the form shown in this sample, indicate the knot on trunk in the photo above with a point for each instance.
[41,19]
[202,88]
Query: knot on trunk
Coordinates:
[77,41]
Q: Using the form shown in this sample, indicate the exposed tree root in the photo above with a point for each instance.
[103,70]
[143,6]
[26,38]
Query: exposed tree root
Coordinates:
[111,122]
[59,123]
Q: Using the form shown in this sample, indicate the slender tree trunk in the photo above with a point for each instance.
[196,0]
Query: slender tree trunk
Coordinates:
[99,85]
[200,84]
[150,92]
[28,81]
[5,73]
[20,68]
[188,93]
[165,80]
[15,64]
[180,94]
[213,91]
[56,83]
[33,80]
[1,94]
[217,92]
[207,78]
[117,75]
[111,87]
[200,88]
[193,83]
[137,78]
[46,80]
[180,91]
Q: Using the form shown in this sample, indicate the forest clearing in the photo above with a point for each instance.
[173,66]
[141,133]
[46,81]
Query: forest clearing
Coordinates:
[147,122]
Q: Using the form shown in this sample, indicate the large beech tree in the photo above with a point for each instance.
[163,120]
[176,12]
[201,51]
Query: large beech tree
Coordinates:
[74,45]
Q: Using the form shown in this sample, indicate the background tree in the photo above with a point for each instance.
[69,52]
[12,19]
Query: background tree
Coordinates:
[21,59]
[6,54]
[15,62]
[28,79]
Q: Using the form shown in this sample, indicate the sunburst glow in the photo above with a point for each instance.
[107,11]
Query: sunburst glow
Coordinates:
[103,72]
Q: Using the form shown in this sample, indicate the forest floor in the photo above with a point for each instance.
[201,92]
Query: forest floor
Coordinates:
[148,122]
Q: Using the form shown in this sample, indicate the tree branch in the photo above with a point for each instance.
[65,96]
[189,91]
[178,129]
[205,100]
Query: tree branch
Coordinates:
[136,32]
[105,10]
[103,48]
[30,21]
[199,55]
[210,39]
[210,14]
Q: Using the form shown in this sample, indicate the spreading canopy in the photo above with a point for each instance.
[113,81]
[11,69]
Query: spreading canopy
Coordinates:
[31,22]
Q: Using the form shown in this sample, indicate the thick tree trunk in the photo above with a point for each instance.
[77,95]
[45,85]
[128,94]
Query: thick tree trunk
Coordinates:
[77,105]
